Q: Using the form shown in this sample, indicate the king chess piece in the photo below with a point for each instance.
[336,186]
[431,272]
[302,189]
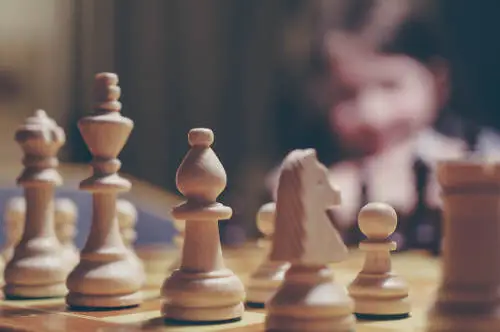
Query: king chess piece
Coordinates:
[106,276]
[37,269]
[202,290]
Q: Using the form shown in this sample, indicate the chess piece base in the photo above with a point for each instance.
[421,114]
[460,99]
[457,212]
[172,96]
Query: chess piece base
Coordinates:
[35,291]
[380,295]
[92,301]
[203,297]
[265,281]
[310,300]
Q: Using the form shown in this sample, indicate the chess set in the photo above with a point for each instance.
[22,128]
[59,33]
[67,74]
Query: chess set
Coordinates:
[300,277]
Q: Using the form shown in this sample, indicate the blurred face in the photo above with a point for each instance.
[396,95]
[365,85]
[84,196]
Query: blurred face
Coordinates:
[380,100]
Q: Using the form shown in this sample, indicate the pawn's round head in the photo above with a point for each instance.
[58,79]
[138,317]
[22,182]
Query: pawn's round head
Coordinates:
[265,218]
[377,221]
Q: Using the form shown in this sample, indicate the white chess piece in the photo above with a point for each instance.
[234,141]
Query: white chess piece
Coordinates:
[377,291]
[265,281]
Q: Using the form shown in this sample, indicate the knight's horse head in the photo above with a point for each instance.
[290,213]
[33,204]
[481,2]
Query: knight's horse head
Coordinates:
[316,180]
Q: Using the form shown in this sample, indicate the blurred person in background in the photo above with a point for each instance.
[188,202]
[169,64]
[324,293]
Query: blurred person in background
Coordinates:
[390,83]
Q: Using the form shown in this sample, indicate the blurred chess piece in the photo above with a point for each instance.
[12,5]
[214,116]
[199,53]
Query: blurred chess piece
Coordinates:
[65,218]
[127,220]
[14,218]
[269,275]
[180,226]
[377,291]
[37,269]
[265,224]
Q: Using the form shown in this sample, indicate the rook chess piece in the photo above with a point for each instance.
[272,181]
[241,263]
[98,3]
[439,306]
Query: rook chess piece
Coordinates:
[377,292]
[14,218]
[309,298]
[202,289]
[270,274]
[467,297]
[37,270]
[106,276]
[65,219]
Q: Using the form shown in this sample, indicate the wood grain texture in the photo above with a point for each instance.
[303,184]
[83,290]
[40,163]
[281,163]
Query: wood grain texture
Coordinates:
[421,271]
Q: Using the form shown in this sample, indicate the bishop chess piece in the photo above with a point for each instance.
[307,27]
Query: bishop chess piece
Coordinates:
[106,276]
[467,298]
[377,291]
[265,281]
[66,213]
[202,289]
[127,220]
[309,298]
[37,270]
[13,227]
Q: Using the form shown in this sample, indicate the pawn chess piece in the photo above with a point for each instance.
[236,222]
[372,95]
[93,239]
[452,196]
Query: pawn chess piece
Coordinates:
[378,293]
[14,218]
[265,281]
[37,270]
[202,289]
[106,276]
[127,219]
[65,220]
[180,226]
[265,223]
[309,298]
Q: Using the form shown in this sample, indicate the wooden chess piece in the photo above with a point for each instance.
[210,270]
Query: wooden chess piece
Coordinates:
[66,213]
[127,219]
[265,224]
[467,298]
[14,219]
[378,293]
[309,298]
[266,280]
[37,270]
[180,226]
[106,276]
[202,289]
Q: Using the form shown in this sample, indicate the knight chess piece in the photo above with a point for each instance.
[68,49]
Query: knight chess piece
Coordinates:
[377,291]
[65,217]
[202,289]
[309,298]
[14,219]
[37,269]
[265,281]
[106,276]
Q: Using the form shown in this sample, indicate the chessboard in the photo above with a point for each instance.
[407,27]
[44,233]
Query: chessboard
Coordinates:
[420,270]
